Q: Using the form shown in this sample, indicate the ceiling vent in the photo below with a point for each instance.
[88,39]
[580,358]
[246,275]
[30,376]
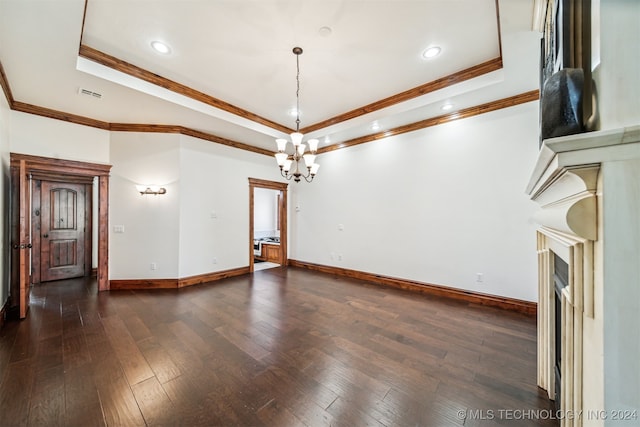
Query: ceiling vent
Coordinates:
[82,91]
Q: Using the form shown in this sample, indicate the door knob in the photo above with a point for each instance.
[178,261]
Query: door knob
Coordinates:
[45,235]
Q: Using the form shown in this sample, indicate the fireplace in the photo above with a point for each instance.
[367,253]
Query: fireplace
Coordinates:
[587,192]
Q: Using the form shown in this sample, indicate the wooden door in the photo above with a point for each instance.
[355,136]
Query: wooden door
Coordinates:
[63,213]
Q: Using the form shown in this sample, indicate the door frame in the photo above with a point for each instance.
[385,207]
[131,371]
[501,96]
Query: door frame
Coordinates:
[36,219]
[282,216]
[57,169]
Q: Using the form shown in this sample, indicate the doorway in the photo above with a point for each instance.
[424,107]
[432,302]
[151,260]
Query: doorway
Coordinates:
[268,238]
[27,170]
[61,228]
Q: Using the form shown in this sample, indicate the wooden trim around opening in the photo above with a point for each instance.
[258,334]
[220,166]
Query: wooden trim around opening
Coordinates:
[512,304]
[282,187]
[59,167]
[130,284]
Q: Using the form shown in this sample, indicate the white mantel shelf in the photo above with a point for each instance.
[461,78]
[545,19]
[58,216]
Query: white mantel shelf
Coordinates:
[562,153]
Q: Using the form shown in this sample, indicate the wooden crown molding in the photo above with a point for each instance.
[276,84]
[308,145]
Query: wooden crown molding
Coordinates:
[110,61]
[153,128]
[511,101]
[452,79]
[58,115]
[130,69]
[5,86]
[150,128]
[142,74]
[135,71]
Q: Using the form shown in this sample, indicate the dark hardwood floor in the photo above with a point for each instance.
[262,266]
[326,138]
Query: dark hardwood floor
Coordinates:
[281,347]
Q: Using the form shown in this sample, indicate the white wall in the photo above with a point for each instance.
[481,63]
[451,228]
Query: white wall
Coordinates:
[438,206]
[265,212]
[214,179]
[618,84]
[150,222]
[4,200]
[41,136]
[621,286]
[618,75]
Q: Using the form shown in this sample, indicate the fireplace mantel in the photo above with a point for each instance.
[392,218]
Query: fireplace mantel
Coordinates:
[587,187]
[593,148]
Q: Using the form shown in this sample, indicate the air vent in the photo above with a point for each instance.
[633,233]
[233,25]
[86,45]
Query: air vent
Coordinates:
[82,91]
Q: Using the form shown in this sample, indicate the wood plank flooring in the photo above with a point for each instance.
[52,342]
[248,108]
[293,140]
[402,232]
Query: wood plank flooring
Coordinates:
[280,347]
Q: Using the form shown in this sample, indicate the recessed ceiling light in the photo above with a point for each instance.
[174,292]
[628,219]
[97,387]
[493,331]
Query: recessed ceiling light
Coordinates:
[160,47]
[431,52]
[293,112]
[447,107]
[375,125]
[327,140]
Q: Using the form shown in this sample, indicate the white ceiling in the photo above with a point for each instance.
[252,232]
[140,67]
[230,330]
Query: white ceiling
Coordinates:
[240,52]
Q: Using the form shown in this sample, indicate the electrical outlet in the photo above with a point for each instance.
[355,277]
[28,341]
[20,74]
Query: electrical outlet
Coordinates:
[479,277]
[339,257]
[214,261]
[153,266]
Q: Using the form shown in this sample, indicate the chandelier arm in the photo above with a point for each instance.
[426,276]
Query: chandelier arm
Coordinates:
[285,175]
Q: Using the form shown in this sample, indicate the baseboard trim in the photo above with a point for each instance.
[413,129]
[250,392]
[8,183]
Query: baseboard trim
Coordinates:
[133,284]
[130,284]
[506,303]
[212,277]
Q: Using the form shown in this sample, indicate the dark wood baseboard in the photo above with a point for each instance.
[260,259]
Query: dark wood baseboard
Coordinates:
[94,272]
[212,277]
[130,284]
[512,304]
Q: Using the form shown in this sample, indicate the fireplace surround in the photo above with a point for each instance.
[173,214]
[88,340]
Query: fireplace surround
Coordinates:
[587,188]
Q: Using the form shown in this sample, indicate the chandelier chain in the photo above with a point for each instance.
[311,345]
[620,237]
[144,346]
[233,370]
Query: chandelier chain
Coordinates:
[297,92]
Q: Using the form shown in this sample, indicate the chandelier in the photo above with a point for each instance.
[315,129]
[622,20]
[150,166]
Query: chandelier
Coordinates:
[290,165]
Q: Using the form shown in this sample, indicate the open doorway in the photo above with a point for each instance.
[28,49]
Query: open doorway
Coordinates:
[267,224]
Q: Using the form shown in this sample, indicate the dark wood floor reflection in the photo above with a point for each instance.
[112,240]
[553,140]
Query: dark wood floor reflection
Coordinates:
[282,347]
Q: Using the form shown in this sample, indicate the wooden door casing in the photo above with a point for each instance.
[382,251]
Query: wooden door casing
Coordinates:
[281,217]
[24,247]
[34,168]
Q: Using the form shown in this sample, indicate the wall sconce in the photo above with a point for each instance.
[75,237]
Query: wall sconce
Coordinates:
[151,189]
